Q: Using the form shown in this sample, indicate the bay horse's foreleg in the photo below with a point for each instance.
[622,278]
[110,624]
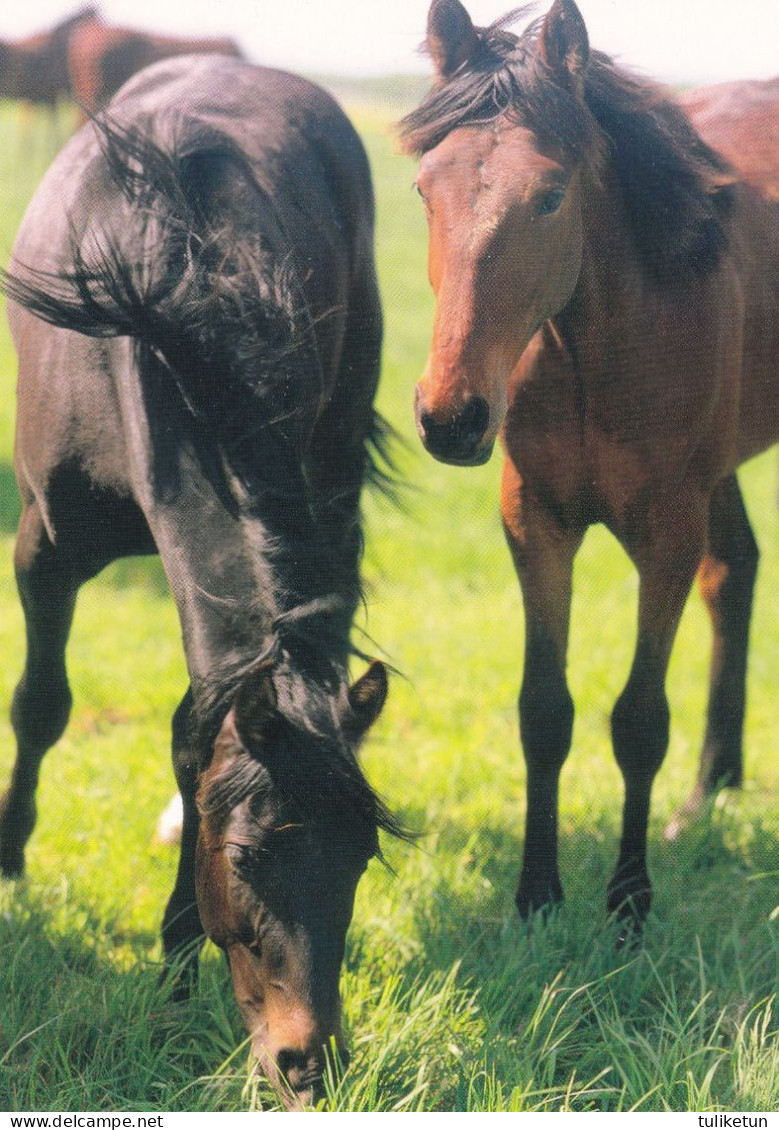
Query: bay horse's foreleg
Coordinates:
[42,700]
[543,555]
[726,579]
[667,559]
[182,930]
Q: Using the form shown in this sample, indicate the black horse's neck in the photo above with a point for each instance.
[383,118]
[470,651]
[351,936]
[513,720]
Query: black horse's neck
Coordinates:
[251,572]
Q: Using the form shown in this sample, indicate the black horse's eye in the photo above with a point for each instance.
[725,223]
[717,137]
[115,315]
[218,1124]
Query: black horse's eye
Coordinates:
[551,201]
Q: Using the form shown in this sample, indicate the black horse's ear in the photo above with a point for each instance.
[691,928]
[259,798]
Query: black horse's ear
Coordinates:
[563,42]
[366,699]
[255,703]
[451,36]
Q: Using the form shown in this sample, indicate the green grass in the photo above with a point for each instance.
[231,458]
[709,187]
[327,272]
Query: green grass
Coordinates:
[450,1003]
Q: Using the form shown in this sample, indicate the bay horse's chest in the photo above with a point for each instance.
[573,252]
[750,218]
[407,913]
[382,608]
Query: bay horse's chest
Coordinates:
[625,419]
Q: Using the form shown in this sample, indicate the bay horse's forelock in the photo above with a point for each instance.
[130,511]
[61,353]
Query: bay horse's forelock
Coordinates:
[606,291]
[207,399]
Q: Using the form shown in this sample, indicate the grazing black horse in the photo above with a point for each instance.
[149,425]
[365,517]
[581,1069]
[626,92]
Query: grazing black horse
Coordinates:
[210,242]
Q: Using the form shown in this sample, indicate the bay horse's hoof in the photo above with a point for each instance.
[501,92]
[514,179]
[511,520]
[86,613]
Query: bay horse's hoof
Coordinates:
[532,900]
[628,901]
[631,935]
[11,865]
[629,917]
[11,846]
[697,803]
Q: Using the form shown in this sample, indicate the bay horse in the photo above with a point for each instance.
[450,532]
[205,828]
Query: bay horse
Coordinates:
[35,69]
[606,293]
[101,57]
[194,304]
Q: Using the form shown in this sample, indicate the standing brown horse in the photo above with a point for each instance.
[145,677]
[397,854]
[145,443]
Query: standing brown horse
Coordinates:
[606,291]
[101,58]
[35,69]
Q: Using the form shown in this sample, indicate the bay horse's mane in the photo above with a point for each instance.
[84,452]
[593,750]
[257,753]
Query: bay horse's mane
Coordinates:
[218,310]
[676,190]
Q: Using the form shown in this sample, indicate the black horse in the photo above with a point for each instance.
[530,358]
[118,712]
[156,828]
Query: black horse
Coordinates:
[210,242]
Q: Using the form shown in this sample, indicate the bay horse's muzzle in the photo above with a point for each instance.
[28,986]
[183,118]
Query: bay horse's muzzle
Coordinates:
[458,439]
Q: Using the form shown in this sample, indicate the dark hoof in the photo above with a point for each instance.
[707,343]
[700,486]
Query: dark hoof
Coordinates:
[17,820]
[11,864]
[535,900]
[628,902]
[179,980]
[697,804]
[630,934]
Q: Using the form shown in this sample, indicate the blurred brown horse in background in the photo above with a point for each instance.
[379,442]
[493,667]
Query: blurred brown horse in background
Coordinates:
[606,290]
[35,69]
[101,58]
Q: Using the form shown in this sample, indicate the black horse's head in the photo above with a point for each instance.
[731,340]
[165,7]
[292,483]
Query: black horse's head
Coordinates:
[288,826]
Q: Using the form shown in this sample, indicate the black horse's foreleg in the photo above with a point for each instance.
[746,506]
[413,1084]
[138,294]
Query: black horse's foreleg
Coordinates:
[667,563]
[726,579]
[182,930]
[543,555]
[42,700]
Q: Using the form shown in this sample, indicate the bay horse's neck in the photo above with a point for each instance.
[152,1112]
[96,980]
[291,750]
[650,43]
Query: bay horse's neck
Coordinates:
[612,281]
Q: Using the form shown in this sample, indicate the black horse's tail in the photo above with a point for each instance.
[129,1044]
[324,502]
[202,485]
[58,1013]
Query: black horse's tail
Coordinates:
[195,280]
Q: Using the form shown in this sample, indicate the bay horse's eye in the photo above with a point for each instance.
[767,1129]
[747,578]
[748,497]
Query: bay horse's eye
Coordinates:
[551,201]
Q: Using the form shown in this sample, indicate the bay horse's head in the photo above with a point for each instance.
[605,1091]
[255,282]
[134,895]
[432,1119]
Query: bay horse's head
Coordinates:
[504,135]
[288,825]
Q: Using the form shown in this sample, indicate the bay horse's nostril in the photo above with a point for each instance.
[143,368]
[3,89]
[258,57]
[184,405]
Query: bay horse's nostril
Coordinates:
[457,440]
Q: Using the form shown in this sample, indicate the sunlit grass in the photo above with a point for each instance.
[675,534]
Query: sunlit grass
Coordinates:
[450,1004]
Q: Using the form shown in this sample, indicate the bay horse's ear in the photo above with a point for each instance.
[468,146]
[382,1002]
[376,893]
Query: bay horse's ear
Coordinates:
[451,36]
[563,42]
[366,699]
[255,703]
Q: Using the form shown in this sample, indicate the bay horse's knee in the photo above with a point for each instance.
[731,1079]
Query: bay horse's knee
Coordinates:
[640,728]
[546,728]
[546,713]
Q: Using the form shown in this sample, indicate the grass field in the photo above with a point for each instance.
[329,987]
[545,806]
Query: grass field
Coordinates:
[450,1003]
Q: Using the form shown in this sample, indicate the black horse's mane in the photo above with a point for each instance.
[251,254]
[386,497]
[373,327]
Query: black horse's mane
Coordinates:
[676,190]
[309,753]
[217,303]
[208,296]
[310,679]
[217,308]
